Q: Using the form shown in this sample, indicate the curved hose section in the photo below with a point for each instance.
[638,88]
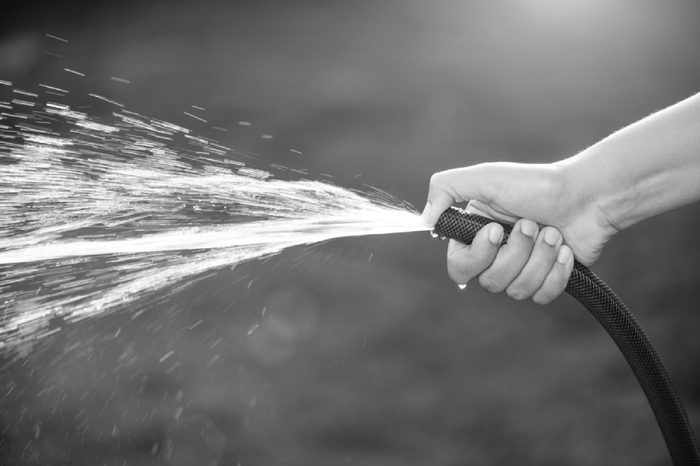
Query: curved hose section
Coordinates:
[622,327]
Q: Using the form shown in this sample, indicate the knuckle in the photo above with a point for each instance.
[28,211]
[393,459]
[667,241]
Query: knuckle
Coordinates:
[456,261]
[457,276]
[436,178]
[477,257]
[516,293]
[520,252]
[457,270]
[489,283]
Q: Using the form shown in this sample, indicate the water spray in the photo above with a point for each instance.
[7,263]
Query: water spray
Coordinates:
[623,328]
[101,214]
[99,217]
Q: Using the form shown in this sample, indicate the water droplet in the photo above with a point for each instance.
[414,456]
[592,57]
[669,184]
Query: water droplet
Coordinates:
[461,286]
[434,234]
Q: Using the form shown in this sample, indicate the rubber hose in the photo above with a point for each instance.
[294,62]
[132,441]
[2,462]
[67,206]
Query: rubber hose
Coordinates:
[622,327]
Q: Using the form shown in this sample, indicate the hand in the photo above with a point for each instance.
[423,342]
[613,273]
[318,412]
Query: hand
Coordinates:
[536,262]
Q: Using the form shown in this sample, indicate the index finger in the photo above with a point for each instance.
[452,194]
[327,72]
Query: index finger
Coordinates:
[455,185]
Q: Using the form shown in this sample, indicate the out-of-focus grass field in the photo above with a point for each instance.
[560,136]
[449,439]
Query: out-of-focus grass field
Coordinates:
[366,353]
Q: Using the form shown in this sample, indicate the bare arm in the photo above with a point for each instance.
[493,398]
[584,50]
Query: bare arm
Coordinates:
[644,169]
[647,168]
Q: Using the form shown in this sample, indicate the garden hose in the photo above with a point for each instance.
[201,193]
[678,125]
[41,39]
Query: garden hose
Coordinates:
[622,327]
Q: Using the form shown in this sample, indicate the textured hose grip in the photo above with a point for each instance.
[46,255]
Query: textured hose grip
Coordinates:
[622,327]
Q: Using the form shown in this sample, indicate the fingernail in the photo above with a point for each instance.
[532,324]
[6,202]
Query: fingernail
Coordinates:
[496,235]
[461,286]
[551,236]
[564,255]
[528,228]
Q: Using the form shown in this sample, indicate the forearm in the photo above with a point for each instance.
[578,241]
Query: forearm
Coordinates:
[645,169]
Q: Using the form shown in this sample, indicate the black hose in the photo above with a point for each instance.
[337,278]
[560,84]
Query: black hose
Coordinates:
[621,325]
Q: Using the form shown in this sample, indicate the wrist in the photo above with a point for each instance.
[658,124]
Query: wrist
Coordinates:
[587,197]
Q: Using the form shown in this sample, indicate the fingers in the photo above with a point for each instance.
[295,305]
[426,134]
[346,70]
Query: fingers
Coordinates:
[558,277]
[533,263]
[466,262]
[511,258]
[532,276]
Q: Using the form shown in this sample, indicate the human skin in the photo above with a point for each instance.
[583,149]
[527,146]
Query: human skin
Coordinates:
[570,208]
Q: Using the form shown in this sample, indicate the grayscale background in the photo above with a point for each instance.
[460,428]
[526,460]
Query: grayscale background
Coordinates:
[367,354]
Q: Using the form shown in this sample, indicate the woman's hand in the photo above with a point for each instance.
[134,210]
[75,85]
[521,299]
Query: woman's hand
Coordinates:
[537,260]
[645,169]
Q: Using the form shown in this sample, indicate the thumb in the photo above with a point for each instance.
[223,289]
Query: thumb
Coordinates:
[456,185]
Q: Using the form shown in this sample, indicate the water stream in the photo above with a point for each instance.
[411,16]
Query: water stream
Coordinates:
[98,213]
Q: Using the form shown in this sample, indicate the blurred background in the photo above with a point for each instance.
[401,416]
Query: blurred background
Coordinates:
[364,352]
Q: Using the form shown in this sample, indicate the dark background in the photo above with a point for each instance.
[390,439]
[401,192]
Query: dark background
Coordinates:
[367,354]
